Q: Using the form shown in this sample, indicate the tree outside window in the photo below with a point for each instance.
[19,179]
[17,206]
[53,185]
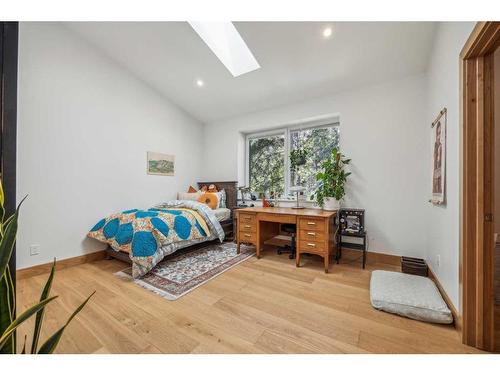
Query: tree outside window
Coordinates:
[319,143]
[267,164]
[267,155]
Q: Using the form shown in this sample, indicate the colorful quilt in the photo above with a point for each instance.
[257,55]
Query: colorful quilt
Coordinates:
[140,233]
[150,235]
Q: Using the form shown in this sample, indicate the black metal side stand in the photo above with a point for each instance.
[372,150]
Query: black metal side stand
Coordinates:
[349,240]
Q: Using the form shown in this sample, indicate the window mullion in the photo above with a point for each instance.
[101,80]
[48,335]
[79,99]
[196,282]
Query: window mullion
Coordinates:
[287,161]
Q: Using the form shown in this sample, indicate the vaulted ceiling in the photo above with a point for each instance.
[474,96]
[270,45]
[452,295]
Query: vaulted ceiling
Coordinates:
[297,62]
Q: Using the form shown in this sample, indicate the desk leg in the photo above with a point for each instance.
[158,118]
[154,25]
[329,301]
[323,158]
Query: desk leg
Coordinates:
[297,258]
[238,246]
[257,245]
[327,261]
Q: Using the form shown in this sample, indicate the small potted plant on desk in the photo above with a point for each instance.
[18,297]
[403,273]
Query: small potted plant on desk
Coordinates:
[332,179]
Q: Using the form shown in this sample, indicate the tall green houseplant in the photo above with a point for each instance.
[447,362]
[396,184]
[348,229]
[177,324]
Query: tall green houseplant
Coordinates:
[331,180]
[9,322]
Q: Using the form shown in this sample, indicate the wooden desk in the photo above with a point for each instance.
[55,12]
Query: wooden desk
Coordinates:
[315,229]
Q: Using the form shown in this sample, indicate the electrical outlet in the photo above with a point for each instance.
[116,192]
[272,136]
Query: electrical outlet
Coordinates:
[34,250]
[438,260]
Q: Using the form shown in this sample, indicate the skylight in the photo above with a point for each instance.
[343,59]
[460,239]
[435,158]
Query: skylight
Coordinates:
[228,45]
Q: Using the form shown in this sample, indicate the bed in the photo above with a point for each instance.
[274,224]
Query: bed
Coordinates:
[219,221]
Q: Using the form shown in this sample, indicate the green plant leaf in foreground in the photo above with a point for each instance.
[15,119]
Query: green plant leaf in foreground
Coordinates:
[49,346]
[6,297]
[21,318]
[40,314]
[9,239]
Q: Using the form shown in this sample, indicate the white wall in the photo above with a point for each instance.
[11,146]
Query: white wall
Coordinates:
[443,223]
[383,129]
[84,126]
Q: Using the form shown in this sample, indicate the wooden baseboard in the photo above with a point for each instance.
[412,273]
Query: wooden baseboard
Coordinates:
[60,264]
[454,311]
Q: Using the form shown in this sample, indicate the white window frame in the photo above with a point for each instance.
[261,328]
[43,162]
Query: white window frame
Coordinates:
[285,130]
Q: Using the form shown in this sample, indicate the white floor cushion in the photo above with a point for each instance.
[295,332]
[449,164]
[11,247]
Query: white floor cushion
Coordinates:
[407,295]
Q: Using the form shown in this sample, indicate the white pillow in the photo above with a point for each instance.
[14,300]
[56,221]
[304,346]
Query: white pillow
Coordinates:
[188,196]
[222,199]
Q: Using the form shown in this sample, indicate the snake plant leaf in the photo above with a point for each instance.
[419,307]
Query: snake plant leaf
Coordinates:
[2,197]
[50,345]
[4,225]
[40,314]
[24,345]
[9,239]
[2,201]
[2,214]
[12,294]
[21,319]
[6,293]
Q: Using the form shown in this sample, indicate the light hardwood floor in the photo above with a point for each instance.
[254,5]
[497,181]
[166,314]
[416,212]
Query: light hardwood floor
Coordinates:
[259,306]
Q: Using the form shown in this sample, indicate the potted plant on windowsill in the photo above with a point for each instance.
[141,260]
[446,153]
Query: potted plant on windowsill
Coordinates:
[297,158]
[332,179]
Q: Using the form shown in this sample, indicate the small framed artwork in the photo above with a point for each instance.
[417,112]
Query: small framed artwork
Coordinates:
[161,164]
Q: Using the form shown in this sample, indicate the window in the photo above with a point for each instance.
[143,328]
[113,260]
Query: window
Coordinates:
[318,142]
[268,157]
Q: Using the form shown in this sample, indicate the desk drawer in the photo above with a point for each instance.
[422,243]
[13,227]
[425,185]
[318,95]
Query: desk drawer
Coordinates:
[246,218]
[317,247]
[312,235]
[278,218]
[247,227]
[247,237]
[317,225]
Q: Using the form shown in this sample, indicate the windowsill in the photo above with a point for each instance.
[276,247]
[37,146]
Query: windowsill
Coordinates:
[287,202]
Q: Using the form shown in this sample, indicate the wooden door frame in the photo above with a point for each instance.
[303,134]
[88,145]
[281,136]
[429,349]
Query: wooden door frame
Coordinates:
[476,242]
[9,32]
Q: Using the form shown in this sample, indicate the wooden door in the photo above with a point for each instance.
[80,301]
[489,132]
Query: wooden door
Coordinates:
[477,243]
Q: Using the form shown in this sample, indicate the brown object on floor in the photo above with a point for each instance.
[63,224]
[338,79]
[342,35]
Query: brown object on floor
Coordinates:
[414,266]
[259,306]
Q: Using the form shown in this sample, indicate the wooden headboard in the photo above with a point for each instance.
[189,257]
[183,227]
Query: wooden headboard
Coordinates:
[231,188]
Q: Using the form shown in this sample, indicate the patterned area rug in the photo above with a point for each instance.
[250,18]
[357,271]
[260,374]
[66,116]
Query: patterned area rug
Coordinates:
[182,272]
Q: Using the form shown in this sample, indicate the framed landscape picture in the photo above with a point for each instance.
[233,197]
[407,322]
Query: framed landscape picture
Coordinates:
[160,164]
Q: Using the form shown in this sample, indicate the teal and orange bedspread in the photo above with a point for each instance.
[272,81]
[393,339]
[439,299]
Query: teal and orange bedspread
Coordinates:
[149,235]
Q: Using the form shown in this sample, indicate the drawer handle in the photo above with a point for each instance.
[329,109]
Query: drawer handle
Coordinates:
[247,235]
[311,223]
[311,234]
[311,244]
[247,218]
[248,226]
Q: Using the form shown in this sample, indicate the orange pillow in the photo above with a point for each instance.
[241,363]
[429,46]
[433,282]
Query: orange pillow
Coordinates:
[192,189]
[210,199]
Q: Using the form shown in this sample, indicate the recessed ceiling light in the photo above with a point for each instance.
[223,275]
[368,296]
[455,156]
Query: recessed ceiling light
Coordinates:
[199,83]
[228,45]
[327,32]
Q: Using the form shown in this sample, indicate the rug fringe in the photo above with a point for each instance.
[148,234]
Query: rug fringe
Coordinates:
[142,284]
